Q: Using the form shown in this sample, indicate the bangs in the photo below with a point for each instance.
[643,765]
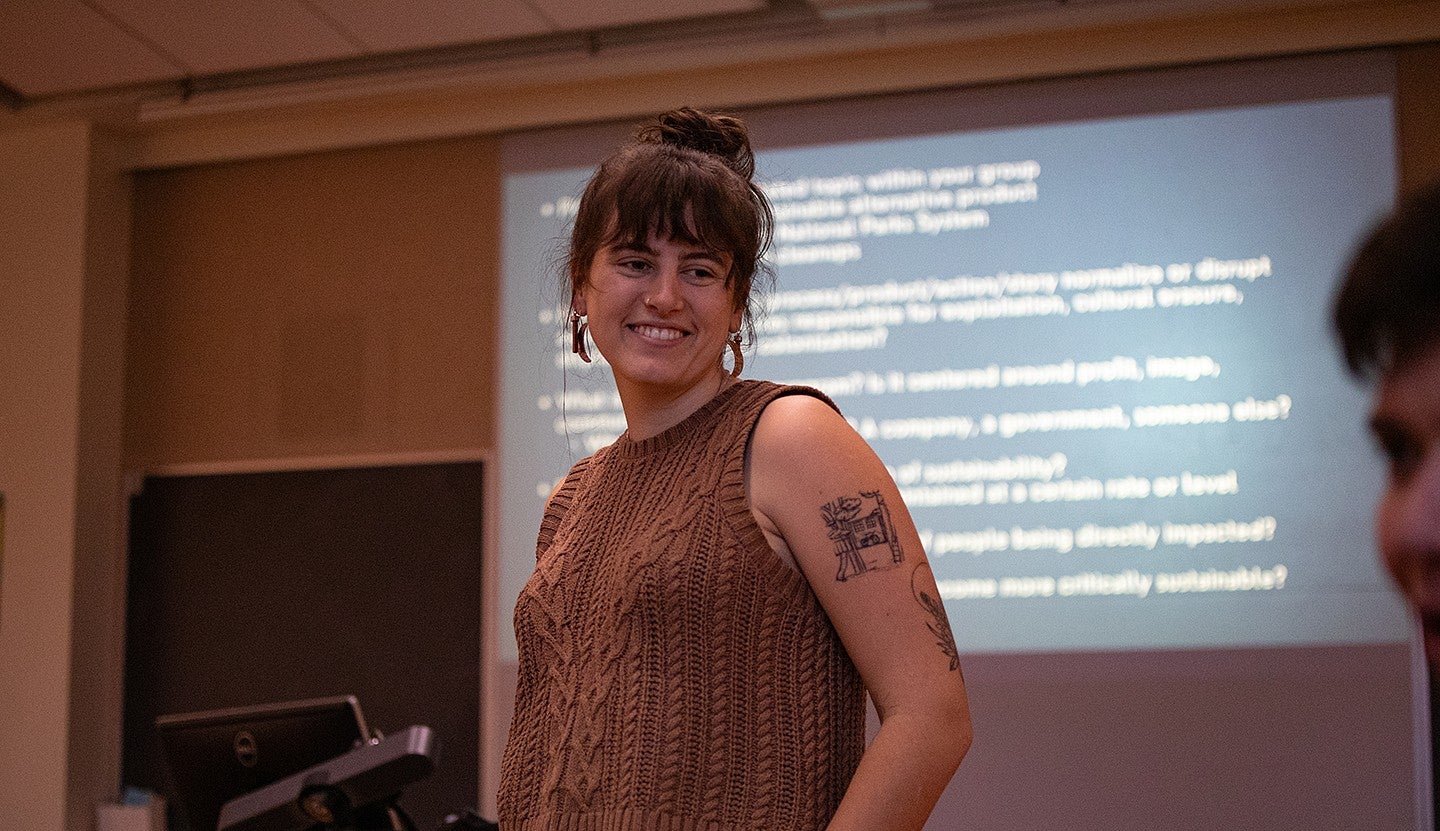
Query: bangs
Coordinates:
[679,200]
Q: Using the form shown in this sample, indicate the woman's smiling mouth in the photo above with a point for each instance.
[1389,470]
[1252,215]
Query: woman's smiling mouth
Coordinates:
[657,332]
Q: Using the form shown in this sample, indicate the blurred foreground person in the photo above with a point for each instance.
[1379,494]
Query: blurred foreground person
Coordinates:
[1387,314]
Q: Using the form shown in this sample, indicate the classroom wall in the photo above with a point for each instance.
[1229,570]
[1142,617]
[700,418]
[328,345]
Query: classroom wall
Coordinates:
[63,273]
[233,358]
[1418,115]
[332,304]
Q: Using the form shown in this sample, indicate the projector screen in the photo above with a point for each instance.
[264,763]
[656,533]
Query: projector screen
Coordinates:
[1084,324]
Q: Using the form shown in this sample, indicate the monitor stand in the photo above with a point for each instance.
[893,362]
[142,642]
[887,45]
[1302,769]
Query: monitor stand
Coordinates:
[356,791]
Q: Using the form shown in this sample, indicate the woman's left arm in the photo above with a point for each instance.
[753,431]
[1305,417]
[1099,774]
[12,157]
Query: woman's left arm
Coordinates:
[821,493]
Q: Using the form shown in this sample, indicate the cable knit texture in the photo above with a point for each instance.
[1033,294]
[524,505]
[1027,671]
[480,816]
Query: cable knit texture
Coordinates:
[674,672]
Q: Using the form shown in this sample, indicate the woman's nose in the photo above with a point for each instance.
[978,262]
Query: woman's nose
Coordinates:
[664,292]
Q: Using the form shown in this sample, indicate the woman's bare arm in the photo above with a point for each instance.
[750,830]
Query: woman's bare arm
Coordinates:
[825,500]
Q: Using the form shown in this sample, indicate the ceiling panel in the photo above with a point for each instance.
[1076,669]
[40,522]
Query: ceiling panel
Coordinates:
[212,36]
[388,26]
[598,14]
[55,46]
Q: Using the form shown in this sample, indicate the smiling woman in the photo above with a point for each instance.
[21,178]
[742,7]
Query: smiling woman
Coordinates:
[661,312]
[716,591]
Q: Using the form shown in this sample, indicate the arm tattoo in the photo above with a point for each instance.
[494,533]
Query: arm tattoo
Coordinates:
[863,535]
[938,625]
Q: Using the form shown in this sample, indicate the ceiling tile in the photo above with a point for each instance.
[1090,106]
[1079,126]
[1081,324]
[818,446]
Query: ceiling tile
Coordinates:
[51,47]
[597,14]
[210,36]
[388,26]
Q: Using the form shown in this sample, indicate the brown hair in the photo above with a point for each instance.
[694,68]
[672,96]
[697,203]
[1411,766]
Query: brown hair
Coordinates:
[687,176]
[1388,307]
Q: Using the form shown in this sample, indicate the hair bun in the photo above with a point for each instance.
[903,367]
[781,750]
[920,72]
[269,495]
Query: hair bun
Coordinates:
[724,136]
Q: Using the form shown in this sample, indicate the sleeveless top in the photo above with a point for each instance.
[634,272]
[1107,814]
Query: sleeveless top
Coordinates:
[674,672]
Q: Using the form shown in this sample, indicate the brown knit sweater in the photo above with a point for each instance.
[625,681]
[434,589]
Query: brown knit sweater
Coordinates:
[675,673]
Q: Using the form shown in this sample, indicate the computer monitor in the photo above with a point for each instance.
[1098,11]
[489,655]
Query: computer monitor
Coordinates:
[217,755]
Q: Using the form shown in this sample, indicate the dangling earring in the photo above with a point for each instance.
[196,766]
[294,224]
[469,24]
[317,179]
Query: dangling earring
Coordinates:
[577,336]
[737,354]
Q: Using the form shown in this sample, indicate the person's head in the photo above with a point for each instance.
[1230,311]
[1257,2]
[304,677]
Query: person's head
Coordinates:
[1387,314]
[687,176]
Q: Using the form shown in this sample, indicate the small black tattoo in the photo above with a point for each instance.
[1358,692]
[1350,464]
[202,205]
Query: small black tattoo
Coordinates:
[938,624]
[863,534]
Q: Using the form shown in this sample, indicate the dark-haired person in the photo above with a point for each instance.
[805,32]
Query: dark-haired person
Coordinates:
[1387,314]
[715,593]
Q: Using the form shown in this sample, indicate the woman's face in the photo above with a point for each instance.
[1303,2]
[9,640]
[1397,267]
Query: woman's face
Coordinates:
[660,312]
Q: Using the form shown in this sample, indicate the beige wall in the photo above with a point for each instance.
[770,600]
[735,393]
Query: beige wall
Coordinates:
[1418,115]
[63,235]
[256,332]
[333,304]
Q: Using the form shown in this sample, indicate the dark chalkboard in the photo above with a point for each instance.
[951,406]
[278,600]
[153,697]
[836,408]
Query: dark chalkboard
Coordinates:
[251,588]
